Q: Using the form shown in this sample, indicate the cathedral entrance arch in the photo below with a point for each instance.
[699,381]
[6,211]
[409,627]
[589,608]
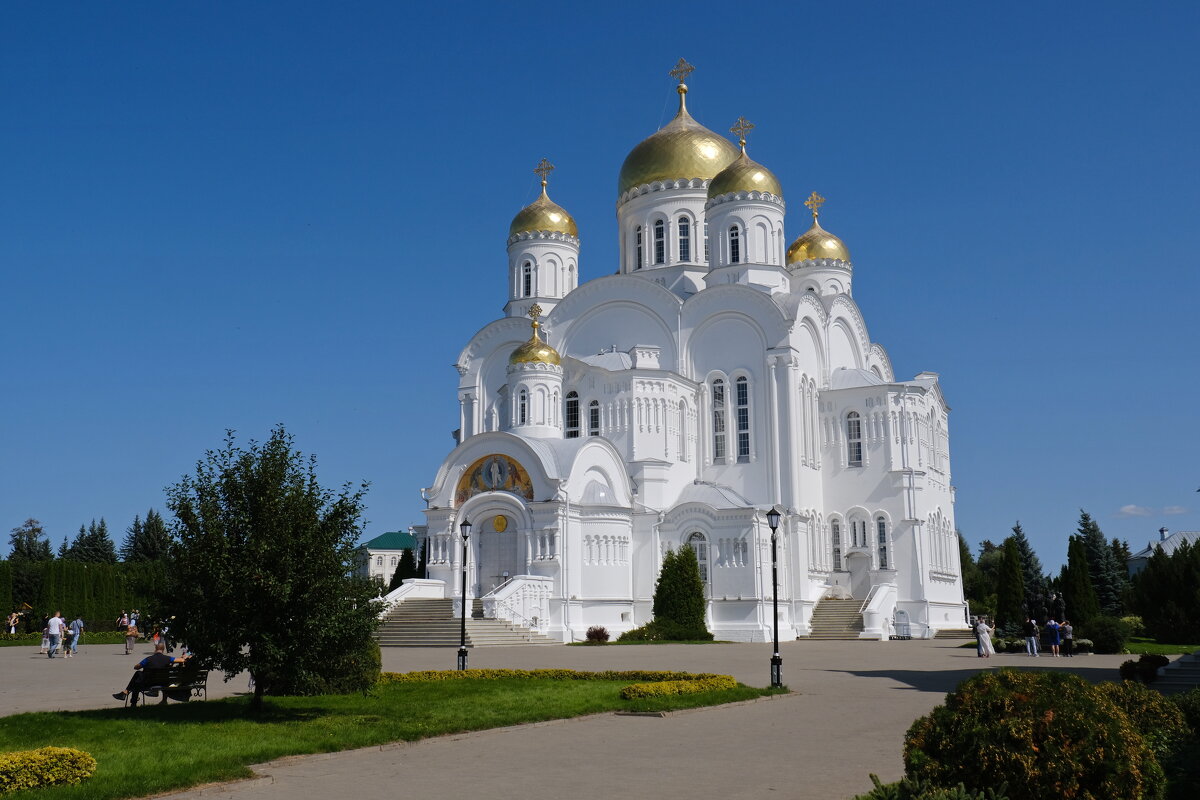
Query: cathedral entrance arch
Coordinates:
[859,567]
[498,552]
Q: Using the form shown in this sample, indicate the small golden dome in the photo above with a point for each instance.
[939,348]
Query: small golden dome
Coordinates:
[535,351]
[681,150]
[744,175]
[543,214]
[817,242]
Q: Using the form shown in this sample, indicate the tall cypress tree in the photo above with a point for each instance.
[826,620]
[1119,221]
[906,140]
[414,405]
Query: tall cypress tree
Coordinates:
[1078,593]
[1108,579]
[1010,586]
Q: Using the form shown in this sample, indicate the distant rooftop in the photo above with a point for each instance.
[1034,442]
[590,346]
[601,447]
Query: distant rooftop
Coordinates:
[392,540]
[1169,544]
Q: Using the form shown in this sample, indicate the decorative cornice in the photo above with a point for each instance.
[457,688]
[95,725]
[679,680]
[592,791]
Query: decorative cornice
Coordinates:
[735,196]
[818,263]
[534,366]
[660,186]
[555,236]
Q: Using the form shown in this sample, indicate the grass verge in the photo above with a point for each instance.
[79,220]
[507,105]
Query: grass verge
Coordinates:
[35,639]
[1141,644]
[156,749]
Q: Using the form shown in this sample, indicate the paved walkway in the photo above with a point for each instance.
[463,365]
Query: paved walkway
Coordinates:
[854,702]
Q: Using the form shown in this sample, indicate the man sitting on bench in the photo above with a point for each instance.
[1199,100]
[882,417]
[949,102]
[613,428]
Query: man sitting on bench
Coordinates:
[159,660]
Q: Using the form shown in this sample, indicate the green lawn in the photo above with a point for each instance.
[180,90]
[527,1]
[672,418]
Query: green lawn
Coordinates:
[35,640]
[1141,644]
[154,749]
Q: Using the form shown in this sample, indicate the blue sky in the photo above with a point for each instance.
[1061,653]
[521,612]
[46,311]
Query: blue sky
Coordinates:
[228,215]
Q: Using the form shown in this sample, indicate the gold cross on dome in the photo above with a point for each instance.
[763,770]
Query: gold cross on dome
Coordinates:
[741,128]
[681,71]
[815,201]
[543,168]
[535,311]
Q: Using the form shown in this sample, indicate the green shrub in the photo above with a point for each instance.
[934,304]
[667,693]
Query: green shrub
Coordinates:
[1189,704]
[1084,646]
[356,671]
[665,630]
[1149,665]
[47,766]
[597,634]
[1108,634]
[666,688]
[1135,624]
[909,789]
[1129,671]
[1047,734]
[1159,721]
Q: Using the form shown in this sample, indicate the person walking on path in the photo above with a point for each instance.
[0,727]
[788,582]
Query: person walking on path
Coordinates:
[45,648]
[76,632]
[131,635]
[1068,638]
[1031,637]
[986,650]
[55,628]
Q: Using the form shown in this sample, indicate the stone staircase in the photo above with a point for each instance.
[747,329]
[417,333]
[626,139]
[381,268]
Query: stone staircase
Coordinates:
[836,619]
[426,622]
[1180,675]
[955,633]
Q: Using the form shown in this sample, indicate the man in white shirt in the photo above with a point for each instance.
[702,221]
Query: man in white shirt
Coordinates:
[55,629]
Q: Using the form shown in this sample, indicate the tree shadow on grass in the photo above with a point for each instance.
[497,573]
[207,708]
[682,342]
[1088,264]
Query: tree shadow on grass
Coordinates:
[193,712]
[943,681]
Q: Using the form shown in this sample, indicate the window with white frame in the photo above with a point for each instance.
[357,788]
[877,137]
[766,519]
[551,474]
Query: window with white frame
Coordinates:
[594,418]
[835,536]
[638,239]
[735,245]
[742,412]
[572,415]
[854,445]
[685,239]
[660,242]
[683,420]
[522,407]
[881,526]
[718,420]
[393,561]
[527,279]
[700,545]
[706,242]
[379,561]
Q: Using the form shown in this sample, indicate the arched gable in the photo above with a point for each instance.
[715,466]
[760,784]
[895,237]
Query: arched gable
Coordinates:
[535,458]
[617,311]
[598,461]
[499,336]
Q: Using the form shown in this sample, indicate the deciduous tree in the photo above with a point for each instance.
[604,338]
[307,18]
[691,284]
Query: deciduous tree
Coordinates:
[261,574]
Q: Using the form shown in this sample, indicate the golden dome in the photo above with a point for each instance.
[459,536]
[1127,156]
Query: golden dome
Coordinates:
[817,242]
[744,175]
[681,150]
[535,351]
[543,214]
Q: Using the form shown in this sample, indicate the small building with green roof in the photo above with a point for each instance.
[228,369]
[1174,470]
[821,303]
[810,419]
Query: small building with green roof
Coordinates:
[379,557]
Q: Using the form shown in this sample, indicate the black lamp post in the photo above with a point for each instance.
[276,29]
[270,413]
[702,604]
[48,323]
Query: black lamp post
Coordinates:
[465,529]
[776,659]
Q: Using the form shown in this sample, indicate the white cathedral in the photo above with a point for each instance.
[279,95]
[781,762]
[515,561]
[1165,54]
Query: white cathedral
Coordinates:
[719,373]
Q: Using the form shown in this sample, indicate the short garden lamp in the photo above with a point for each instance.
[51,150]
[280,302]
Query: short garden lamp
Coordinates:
[465,529]
[776,659]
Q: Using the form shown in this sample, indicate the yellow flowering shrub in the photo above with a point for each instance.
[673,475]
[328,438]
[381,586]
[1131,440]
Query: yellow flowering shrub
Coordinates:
[47,766]
[713,683]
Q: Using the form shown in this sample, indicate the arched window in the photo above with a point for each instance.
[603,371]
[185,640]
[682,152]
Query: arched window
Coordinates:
[393,561]
[706,242]
[527,279]
[735,245]
[660,242]
[572,415]
[594,418]
[700,545]
[881,524]
[522,407]
[836,538]
[742,409]
[379,561]
[718,421]
[683,454]
[638,237]
[685,239]
[854,447]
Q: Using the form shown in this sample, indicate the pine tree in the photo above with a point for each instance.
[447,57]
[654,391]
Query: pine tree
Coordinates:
[1010,586]
[1076,581]
[1036,588]
[1108,579]
[146,541]
[28,541]
[93,545]
[133,537]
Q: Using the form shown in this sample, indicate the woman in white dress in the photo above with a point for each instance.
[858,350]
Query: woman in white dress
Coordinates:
[985,638]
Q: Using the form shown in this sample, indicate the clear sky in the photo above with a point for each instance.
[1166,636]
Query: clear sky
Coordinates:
[232,215]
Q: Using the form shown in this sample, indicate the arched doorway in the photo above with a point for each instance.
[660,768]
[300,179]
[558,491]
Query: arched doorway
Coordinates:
[498,553]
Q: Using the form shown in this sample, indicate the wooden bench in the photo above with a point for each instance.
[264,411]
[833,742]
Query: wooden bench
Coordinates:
[180,682]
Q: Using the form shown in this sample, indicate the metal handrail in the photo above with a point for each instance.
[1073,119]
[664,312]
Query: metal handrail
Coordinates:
[870,595]
[526,622]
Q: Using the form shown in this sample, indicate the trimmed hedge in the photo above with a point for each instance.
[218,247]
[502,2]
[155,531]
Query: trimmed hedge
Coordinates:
[641,676]
[1046,734]
[716,683]
[47,766]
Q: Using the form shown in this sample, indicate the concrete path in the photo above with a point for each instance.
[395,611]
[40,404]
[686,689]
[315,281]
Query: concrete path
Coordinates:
[854,702]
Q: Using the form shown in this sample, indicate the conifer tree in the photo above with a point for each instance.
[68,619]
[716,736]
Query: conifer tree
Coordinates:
[1036,588]
[679,596]
[146,541]
[93,545]
[1010,586]
[133,536]
[1076,583]
[1108,579]
[28,541]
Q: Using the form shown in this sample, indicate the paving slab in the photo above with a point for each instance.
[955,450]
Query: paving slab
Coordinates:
[853,701]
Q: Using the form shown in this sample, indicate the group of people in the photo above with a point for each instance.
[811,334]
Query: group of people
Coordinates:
[1056,637]
[14,619]
[56,632]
